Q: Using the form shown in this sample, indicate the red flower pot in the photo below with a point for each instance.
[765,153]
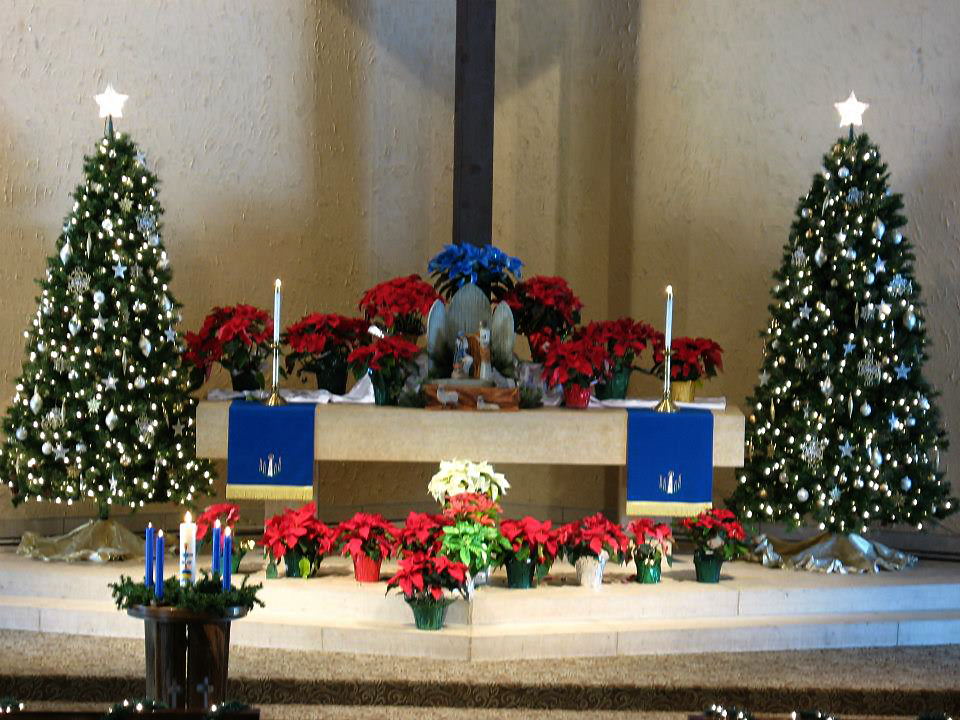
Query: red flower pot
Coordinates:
[366,569]
[576,396]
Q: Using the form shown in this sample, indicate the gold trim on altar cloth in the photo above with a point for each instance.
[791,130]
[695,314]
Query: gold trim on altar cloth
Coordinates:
[667,509]
[269,492]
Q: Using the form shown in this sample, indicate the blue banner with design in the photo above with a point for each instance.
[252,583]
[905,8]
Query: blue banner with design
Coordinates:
[669,462]
[270,451]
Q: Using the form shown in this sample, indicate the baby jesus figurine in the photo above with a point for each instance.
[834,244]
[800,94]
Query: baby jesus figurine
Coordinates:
[462,359]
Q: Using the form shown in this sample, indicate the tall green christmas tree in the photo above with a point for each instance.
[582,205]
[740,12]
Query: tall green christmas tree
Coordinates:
[101,411]
[843,428]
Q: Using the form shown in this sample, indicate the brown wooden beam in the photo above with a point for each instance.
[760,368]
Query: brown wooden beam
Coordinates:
[473,122]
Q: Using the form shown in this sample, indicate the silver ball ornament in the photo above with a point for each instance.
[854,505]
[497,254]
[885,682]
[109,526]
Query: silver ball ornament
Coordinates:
[869,278]
[46,448]
[865,409]
[897,238]
[843,172]
[803,495]
[878,228]
[140,383]
[36,402]
[21,434]
[851,254]
[99,298]
[909,320]
[145,346]
[906,484]
[806,213]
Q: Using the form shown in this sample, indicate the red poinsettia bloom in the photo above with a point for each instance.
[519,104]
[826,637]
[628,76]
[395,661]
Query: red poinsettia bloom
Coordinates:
[625,339]
[427,576]
[718,531]
[366,534]
[421,533]
[382,354]
[592,536]
[530,538]
[227,513]
[544,302]
[237,337]
[320,332]
[401,303]
[581,361]
[475,507]
[691,358]
[297,527]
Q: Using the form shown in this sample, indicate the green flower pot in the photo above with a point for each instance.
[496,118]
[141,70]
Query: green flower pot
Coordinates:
[291,561]
[383,394]
[648,574]
[428,614]
[330,374]
[708,566]
[616,387]
[519,574]
[246,380]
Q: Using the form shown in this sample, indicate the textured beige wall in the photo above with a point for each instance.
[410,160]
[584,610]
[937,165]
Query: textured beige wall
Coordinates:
[636,144]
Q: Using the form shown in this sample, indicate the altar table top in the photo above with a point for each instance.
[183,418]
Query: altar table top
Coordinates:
[547,436]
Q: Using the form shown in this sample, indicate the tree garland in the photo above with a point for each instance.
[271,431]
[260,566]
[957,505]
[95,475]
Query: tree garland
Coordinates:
[206,596]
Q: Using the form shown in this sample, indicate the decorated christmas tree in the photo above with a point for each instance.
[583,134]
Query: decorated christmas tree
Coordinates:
[101,411]
[843,428]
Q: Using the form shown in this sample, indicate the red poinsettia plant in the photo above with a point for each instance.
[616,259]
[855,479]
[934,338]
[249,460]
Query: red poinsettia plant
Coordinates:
[322,339]
[301,534]
[478,508]
[423,577]
[400,304]
[625,339]
[651,542]
[421,533]
[592,536]
[227,513]
[531,540]
[237,337]
[580,361]
[542,304]
[367,535]
[690,358]
[717,532]
[386,359]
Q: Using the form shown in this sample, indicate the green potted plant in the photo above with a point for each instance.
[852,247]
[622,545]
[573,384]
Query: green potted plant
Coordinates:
[589,543]
[717,537]
[625,340]
[652,544]
[533,548]
[544,309]
[473,538]
[427,582]
[576,364]
[465,476]
[320,344]
[386,359]
[238,338]
[692,360]
[400,305]
[297,538]
[368,539]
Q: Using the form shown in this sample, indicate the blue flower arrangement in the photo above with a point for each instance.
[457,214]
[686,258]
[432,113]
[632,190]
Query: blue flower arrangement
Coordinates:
[487,267]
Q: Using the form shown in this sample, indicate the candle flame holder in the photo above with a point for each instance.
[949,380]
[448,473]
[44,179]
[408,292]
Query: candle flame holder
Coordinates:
[666,404]
[274,400]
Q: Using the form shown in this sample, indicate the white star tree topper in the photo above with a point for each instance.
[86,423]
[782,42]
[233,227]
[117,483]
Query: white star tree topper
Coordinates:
[110,102]
[851,111]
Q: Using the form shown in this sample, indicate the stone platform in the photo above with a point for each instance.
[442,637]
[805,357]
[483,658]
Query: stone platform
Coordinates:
[752,609]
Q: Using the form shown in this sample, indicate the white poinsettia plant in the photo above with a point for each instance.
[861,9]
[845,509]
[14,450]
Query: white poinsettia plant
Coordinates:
[464,476]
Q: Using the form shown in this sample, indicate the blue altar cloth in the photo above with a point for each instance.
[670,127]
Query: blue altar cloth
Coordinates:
[270,451]
[669,462]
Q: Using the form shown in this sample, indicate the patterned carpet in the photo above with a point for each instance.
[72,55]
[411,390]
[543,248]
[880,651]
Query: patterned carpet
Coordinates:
[871,683]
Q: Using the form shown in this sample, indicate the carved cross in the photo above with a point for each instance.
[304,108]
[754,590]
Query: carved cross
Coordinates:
[173,691]
[205,688]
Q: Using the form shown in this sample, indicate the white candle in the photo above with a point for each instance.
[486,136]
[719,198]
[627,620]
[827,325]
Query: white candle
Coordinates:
[188,551]
[669,333]
[276,312]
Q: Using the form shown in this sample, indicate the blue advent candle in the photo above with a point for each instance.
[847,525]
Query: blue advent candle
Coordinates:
[227,558]
[158,583]
[216,547]
[148,557]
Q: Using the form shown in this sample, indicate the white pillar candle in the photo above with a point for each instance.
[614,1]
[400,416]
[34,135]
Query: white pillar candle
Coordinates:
[276,335]
[188,551]
[669,331]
